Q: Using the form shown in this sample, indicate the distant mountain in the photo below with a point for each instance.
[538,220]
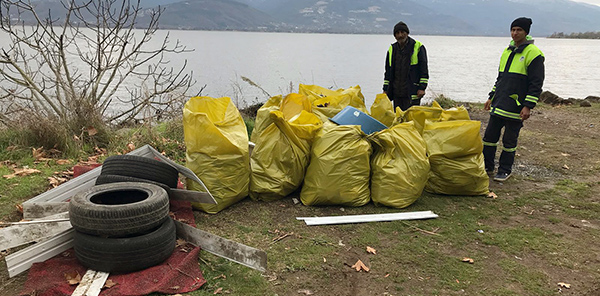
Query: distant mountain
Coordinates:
[439,17]
[214,15]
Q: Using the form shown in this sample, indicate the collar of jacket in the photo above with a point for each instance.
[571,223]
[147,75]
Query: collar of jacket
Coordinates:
[512,47]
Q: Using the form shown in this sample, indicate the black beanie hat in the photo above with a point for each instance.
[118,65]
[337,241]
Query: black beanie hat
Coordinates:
[401,26]
[523,22]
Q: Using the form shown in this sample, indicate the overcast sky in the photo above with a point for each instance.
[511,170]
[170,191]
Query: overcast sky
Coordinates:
[595,2]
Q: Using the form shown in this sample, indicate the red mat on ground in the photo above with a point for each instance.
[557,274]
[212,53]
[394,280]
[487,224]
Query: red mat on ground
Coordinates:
[178,274]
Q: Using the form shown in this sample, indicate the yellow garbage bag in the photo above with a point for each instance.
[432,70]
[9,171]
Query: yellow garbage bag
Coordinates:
[293,104]
[399,166]
[327,103]
[339,169]
[279,159]
[456,113]
[455,155]
[217,150]
[383,110]
[263,116]
[419,114]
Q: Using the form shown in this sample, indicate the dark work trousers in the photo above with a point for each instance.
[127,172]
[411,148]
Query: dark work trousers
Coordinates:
[405,103]
[509,143]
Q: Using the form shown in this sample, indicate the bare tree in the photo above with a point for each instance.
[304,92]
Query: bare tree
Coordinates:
[83,61]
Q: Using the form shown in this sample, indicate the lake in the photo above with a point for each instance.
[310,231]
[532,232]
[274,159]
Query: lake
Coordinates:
[461,68]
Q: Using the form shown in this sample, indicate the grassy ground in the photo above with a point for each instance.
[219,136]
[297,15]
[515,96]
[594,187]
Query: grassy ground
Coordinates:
[543,229]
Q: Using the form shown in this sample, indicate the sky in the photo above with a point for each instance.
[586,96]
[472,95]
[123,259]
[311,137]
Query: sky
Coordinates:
[594,2]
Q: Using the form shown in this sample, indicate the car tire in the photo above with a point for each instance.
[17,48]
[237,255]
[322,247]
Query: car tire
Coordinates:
[141,167]
[127,254]
[119,209]
[107,179]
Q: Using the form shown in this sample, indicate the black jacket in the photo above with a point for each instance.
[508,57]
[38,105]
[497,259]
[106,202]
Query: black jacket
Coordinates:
[520,80]
[418,73]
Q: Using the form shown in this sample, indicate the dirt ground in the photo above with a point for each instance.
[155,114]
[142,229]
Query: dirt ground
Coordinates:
[556,144]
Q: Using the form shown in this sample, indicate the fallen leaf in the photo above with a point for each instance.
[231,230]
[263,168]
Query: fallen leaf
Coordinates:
[324,259]
[387,275]
[469,260]
[371,250]
[109,284]
[38,153]
[179,242]
[359,265]
[492,195]
[91,131]
[218,291]
[305,292]
[19,208]
[222,276]
[564,285]
[566,167]
[130,146]
[73,278]
[25,171]
[63,161]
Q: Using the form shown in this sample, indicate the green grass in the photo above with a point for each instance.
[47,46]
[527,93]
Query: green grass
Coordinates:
[520,242]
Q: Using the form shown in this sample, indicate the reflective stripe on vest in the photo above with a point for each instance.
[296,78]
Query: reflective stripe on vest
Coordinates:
[520,61]
[414,59]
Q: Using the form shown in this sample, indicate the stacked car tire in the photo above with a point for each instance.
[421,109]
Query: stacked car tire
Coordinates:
[122,224]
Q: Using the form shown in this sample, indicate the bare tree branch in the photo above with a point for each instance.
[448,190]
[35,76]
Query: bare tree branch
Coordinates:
[88,56]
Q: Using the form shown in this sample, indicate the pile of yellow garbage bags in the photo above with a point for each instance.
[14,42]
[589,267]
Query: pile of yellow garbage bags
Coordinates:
[298,149]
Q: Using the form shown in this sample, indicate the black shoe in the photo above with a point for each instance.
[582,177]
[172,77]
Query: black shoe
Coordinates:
[501,177]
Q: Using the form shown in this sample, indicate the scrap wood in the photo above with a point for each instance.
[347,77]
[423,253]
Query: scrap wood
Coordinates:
[419,229]
[281,236]
[91,284]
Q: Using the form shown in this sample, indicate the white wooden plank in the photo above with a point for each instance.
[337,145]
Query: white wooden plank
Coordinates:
[368,218]
[35,210]
[30,231]
[22,260]
[236,252]
[98,283]
[91,284]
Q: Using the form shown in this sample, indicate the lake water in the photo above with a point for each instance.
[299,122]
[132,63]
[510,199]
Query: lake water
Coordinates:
[461,68]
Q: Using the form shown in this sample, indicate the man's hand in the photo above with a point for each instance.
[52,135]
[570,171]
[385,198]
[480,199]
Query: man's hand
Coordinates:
[420,93]
[525,113]
[487,105]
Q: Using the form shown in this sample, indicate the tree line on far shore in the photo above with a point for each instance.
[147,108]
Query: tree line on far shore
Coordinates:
[579,35]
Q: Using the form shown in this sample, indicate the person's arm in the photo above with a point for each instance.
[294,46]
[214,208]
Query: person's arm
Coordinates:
[535,76]
[493,91]
[423,71]
[388,70]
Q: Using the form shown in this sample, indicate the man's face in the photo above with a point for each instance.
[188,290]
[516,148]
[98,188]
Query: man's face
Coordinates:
[518,34]
[401,36]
